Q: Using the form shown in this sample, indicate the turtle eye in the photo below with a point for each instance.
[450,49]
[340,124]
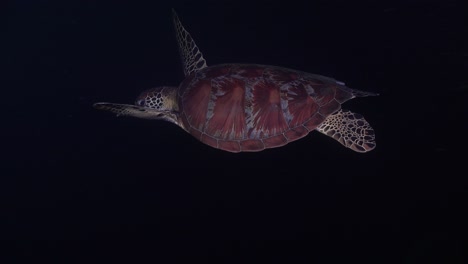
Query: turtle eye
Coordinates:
[140,102]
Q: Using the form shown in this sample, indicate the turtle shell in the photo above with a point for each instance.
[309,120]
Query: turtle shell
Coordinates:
[237,107]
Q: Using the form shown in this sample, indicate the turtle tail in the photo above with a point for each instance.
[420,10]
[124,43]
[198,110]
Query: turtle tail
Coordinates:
[359,93]
[355,92]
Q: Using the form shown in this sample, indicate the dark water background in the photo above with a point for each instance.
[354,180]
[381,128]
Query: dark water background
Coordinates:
[79,185]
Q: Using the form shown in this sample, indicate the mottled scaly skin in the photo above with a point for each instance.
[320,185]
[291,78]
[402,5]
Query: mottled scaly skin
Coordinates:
[238,107]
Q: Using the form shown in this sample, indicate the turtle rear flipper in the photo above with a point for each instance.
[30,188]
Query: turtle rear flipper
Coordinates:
[350,129]
[138,111]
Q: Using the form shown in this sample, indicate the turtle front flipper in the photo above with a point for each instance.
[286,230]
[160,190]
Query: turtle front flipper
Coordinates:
[138,111]
[350,129]
[192,58]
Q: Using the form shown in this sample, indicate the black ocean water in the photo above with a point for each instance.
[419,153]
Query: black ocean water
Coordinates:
[80,185]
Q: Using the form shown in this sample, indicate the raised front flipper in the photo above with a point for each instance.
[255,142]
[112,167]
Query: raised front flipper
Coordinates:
[192,58]
[350,129]
[138,111]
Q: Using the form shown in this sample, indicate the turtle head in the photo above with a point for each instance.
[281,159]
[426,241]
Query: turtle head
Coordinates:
[162,98]
[158,103]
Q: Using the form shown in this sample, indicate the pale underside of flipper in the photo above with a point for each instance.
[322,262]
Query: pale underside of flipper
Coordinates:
[138,111]
[192,58]
[350,129]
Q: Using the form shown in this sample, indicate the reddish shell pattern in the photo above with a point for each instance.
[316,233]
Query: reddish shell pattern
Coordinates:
[238,107]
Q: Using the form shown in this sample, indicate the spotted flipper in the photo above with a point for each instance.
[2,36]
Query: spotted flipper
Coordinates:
[192,58]
[137,111]
[350,129]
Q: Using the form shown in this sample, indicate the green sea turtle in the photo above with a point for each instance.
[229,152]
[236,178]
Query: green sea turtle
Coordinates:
[250,107]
